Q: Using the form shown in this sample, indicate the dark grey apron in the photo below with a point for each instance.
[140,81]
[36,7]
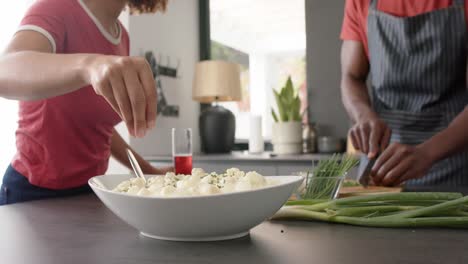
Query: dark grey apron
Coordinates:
[418,74]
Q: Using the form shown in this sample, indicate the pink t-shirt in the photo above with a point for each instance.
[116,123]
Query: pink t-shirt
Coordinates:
[63,141]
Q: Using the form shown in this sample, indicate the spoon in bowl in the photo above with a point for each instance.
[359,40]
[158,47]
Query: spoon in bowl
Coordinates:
[135,165]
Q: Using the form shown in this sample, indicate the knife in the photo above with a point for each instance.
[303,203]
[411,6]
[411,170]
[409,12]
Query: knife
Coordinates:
[366,174]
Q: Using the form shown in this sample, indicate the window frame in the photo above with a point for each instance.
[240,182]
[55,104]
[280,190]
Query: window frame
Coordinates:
[205,54]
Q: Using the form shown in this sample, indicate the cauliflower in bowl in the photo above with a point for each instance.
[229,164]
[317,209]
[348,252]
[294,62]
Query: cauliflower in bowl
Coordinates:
[198,183]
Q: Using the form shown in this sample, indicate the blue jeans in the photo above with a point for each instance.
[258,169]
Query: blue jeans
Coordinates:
[16,188]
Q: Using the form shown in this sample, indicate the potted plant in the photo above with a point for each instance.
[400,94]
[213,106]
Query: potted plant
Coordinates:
[287,126]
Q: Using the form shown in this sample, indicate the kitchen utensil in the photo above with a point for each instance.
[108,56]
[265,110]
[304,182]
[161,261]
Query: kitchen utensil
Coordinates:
[365,176]
[328,144]
[135,165]
[199,218]
[309,138]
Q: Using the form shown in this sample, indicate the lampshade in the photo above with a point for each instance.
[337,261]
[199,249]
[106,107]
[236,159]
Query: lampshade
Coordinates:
[216,81]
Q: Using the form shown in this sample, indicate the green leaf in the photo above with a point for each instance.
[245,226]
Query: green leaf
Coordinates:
[275,117]
[281,108]
[290,114]
[283,95]
[287,109]
[289,90]
[289,87]
[296,109]
[288,102]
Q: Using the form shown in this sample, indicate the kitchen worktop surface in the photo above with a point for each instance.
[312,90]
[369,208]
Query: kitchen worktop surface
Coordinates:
[82,230]
[246,156]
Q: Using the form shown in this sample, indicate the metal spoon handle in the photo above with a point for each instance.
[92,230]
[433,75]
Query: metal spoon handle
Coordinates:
[135,165]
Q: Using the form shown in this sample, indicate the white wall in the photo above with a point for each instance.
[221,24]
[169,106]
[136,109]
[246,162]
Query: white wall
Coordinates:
[324,19]
[9,22]
[174,34]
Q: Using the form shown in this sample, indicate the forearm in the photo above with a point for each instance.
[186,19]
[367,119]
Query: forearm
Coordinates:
[119,152]
[354,72]
[449,141]
[31,75]
[355,98]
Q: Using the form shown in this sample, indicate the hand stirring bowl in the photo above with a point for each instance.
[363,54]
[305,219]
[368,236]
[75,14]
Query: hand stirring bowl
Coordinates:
[135,165]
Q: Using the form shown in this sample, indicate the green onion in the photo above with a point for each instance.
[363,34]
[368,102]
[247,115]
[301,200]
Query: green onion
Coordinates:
[388,197]
[369,210]
[299,214]
[434,209]
[327,176]
[384,210]
[306,202]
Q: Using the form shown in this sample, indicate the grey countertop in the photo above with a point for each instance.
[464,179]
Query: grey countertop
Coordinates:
[246,156]
[82,230]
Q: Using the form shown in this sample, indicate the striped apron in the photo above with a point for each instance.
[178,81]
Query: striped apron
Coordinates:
[418,77]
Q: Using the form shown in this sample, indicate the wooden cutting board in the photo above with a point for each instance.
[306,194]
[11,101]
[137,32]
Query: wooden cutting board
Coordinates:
[360,190]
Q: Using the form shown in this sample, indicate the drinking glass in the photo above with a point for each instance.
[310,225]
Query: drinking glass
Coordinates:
[182,150]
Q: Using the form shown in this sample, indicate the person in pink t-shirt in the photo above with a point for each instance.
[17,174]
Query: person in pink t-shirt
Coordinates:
[69,66]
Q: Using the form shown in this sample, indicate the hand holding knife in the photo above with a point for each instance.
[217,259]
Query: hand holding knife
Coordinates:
[366,174]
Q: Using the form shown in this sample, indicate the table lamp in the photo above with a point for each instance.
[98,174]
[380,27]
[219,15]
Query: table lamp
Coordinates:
[216,81]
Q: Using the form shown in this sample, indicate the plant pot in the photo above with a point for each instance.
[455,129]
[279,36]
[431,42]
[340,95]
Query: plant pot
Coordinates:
[287,137]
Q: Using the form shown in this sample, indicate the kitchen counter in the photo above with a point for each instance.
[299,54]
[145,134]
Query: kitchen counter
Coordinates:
[246,156]
[82,230]
[264,163]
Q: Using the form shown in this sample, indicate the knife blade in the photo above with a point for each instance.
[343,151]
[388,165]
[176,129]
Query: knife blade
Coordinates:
[366,174]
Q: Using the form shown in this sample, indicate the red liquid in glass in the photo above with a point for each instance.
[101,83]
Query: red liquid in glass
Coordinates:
[183,164]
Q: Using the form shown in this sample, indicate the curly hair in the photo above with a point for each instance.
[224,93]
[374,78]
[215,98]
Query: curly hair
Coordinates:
[147,6]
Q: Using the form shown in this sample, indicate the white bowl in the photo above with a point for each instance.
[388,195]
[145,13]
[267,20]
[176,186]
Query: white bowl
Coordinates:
[196,218]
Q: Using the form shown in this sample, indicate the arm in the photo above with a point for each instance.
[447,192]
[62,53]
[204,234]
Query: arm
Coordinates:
[354,71]
[369,134]
[119,152]
[400,162]
[29,71]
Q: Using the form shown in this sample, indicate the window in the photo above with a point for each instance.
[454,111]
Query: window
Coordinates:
[268,39]
[9,21]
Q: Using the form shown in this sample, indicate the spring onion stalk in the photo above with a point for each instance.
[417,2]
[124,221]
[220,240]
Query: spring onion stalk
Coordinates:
[368,210]
[299,214]
[461,213]
[306,202]
[371,203]
[388,197]
[327,176]
[428,211]
[384,210]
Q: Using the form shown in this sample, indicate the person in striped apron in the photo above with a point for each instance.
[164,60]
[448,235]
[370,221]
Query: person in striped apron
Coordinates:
[413,118]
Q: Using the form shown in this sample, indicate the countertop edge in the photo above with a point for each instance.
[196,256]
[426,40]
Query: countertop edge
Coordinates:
[241,156]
